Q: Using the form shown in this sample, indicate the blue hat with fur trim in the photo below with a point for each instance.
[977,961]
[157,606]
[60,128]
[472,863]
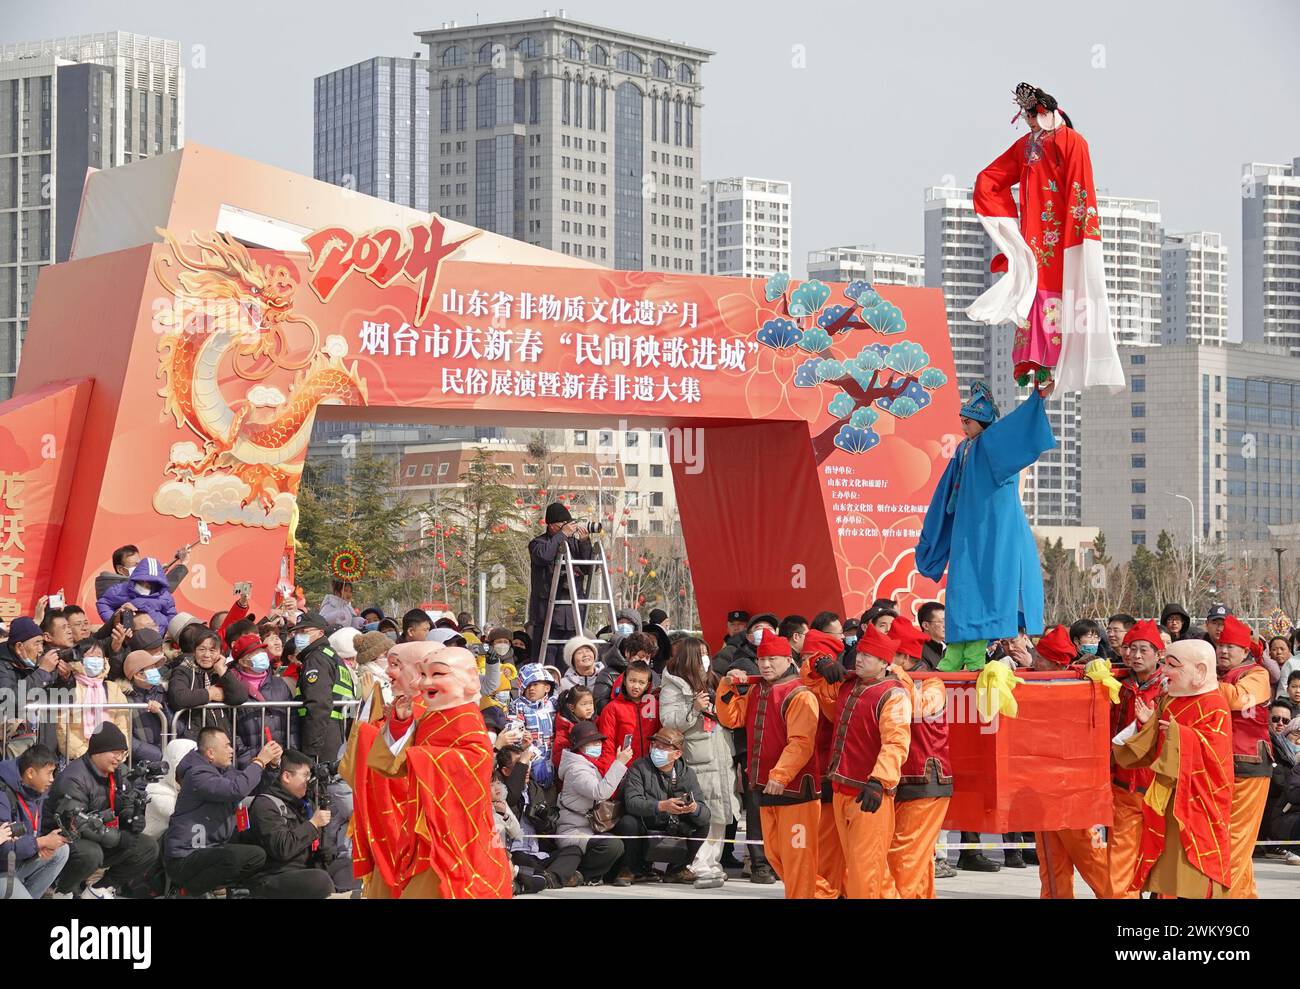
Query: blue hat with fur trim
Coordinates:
[980,406]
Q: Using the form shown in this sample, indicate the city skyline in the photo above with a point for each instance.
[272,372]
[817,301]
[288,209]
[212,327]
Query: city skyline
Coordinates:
[1124,76]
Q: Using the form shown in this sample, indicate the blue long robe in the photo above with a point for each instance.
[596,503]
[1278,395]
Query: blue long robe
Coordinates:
[983,537]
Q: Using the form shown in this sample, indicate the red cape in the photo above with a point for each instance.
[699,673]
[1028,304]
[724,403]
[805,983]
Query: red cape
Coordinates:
[438,816]
[1203,794]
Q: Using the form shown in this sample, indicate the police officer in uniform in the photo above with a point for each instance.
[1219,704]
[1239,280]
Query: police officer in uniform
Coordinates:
[324,679]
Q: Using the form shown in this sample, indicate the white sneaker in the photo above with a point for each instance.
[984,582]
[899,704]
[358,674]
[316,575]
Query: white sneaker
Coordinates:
[1292,858]
[99,893]
[61,896]
[711,881]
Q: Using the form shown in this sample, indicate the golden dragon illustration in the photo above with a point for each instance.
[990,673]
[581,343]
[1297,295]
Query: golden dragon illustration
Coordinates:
[225,303]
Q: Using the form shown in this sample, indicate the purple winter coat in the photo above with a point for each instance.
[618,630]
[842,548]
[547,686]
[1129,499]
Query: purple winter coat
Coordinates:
[160,604]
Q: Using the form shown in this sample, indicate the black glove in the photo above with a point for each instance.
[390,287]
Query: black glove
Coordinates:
[870,797]
[829,669]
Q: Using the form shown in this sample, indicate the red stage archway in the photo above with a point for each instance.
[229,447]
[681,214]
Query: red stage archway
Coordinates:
[194,366]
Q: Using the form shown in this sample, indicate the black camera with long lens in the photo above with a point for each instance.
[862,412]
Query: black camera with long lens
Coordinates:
[322,775]
[594,528]
[91,825]
[144,772]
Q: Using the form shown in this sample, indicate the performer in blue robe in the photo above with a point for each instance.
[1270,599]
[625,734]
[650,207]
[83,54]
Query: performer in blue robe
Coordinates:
[976,527]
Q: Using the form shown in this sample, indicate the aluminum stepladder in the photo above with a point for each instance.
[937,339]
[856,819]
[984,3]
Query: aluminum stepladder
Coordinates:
[599,568]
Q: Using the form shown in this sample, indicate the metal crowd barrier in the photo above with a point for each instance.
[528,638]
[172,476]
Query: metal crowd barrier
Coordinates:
[14,727]
[66,723]
[261,706]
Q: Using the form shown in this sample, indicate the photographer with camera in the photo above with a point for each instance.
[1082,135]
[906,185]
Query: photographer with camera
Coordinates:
[198,852]
[29,861]
[285,826]
[25,666]
[544,554]
[662,800]
[93,800]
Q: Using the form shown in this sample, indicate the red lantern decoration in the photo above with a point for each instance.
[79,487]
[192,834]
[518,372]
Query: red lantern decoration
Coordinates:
[442,565]
[457,554]
[519,501]
[462,582]
[681,592]
[642,560]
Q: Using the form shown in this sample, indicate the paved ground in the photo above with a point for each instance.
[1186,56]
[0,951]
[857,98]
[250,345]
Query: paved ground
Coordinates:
[1274,879]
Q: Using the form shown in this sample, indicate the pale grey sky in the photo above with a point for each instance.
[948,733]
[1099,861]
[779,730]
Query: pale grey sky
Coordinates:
[1173,97]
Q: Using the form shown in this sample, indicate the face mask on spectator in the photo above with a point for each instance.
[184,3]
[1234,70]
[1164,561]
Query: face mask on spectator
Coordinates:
[260,663]
[593,750]
[153,677]
[391,635]
[659,757]
[1090,648]
[94,665]
[142,588]
[756,636]
[300,641]
[624,628]
[502,648]
[850,640]
[503,697]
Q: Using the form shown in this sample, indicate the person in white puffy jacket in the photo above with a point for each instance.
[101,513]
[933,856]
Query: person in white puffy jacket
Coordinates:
[162,793]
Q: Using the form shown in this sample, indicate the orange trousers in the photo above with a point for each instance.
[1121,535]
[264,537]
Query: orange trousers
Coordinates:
[830,857]
[790,844]
[1249,797]
[1123,842]
[911,852]
[1061,852]
[865,840]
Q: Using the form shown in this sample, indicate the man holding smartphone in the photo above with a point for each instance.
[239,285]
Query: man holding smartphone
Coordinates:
[662,802]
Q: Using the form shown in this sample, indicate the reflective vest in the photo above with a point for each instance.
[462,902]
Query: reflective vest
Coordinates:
[344,688]
[856,744]
[1252,752]
[766,728]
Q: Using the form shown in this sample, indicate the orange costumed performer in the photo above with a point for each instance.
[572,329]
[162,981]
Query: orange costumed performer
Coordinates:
[1186,742]
[422,821]
[823,647]
[1061,852]
[925,786]
[1144,650]
[779,715]
[871,709]
[1244,685]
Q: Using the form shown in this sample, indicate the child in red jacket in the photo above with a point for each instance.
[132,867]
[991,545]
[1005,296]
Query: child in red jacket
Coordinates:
[576,704]
[632,711]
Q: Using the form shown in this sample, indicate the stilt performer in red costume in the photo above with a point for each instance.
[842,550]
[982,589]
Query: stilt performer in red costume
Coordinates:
[421,778]
[1054,289]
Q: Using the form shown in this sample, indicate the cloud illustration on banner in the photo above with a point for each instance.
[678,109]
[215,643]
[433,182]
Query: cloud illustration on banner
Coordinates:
[263,396]
[217,499]
[186,453]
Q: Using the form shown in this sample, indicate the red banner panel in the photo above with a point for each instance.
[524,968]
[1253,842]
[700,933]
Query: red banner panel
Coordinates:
[1046,769]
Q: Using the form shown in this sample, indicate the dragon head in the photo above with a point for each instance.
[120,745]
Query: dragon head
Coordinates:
[232,292]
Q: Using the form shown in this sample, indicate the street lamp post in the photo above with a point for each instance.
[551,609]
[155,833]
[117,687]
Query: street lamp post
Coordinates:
[1279,551]
[1191,577]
